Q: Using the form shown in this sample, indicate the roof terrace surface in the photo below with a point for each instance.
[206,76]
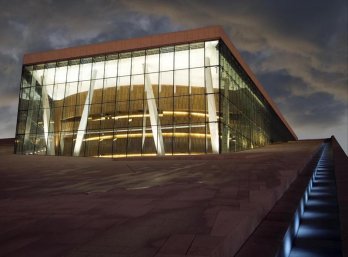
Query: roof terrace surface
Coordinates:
[205,205]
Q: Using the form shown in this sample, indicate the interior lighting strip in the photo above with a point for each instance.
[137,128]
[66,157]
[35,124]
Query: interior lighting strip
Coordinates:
[137,135]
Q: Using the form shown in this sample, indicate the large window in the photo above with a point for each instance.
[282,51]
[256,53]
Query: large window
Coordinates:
[161,101]
[185,99]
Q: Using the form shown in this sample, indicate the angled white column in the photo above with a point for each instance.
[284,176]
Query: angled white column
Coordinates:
[154,120]
[144,127]
[213,124]
[46,119]
[84,117]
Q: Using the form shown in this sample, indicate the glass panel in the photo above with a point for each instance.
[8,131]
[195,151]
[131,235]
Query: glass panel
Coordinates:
[61,73]
[121,117]
[214,71]
[152,60]
[197,81]
[137,87]
[83,146]
[70,93]
[58,92]
[120,143]
[34,98]
[123,88]
[110,82]
[77,116]
[98,91]
[26,76]
[181,139]
[95,117]
[124,64]
[22,121]
[148,148]
[83,88]
[109,93]
[29,143]
[168,138]
[198,108]
[138,62]
[108,110]
[55,119]
[98,69]
[181,110]
[198,138]
[136,113]
[212,52]
[66,144]
[19,144]
[92,146]
[182,57]
[167,58]
[181,82]
[40,144]
[166,88]
[134,143]
[24,99]
[154,82]
[68,117]
[85,71]
[105,145]
[49,75]
[165,111]
[37,76]
[196,55]
[111,68]
[73,73]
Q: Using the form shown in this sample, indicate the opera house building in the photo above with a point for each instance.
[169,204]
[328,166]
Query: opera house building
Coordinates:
[180,93]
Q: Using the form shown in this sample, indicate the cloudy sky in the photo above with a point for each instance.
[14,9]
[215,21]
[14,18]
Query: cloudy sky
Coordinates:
[297,49]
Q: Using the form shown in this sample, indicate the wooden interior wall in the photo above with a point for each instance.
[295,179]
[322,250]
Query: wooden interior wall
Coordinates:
[108,104]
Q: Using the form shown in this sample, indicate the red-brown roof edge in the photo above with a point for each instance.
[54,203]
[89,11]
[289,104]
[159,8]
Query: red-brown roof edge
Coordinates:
[152,41]
[180,37]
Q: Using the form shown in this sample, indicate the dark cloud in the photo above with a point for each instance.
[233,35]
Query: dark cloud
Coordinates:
[298,49]
[8,115]
[280,85]
[319,108]
[10,70]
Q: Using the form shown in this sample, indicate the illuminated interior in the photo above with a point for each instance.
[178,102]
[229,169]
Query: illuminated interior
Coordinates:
[182,99]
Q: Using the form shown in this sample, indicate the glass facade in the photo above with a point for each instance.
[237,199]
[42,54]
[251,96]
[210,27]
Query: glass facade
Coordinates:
[175,100]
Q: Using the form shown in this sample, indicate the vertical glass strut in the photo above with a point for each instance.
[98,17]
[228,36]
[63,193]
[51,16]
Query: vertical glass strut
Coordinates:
[192,98]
